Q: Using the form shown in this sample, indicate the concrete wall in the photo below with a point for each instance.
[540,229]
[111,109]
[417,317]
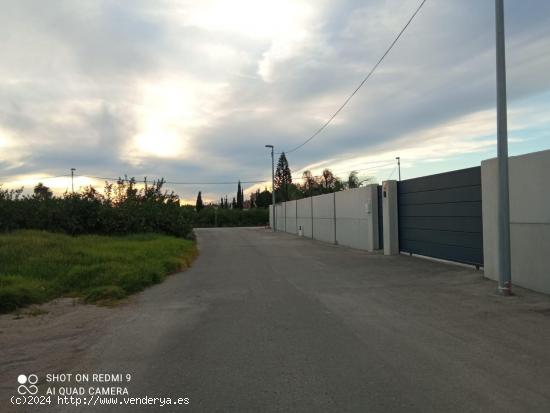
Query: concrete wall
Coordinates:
[347,217]
[354,218]
[291,217]
[529,219]
[280,216]
[323,218]
[304,216]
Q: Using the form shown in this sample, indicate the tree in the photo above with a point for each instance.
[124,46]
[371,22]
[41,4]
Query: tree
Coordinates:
[234,203]
[328,178]
[263,199]
[199,205]
[283,178]
[240,196]
[253,198]
[353,180]
[309,184]
[42,192]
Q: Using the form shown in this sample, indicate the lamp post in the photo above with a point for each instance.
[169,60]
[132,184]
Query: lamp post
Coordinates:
[399,166]
[273,186]
[72,179]
[503,250]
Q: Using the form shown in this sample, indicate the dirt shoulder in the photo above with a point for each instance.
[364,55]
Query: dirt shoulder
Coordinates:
[48,338]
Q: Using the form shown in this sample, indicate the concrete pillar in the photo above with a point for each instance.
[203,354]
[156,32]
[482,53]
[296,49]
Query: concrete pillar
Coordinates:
[390,216]
[334,216]
[296,216]
[311,204]
[372,217]
[271,214]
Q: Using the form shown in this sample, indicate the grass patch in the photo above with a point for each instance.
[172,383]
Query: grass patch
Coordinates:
[38,266]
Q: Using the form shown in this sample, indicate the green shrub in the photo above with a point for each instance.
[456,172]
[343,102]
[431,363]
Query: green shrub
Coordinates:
[17,292]
[38,266]
[120,210]
[231,217]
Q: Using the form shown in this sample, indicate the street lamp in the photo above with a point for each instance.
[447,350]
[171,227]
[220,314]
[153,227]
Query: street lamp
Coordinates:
[399,166]
[505,275]
[273,186]
[72,179]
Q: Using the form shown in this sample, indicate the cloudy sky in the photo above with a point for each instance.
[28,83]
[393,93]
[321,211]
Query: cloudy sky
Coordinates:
[193,90]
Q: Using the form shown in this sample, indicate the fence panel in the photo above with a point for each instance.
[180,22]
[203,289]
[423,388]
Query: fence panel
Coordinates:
[352,227]
[323,218]
[304,216]
[290,210]
[280,216]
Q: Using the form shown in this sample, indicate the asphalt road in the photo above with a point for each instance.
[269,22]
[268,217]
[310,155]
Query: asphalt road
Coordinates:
[267,322]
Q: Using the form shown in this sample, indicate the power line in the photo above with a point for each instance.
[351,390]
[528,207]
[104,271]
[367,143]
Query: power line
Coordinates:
[392,172]
[40,179]
[367,169]
[217,183]
[318,131]
[372,168]
[250,181]
[335,174]
[177,183]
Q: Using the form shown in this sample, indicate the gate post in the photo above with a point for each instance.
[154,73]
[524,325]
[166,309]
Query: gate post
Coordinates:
[390,217]
[372,216]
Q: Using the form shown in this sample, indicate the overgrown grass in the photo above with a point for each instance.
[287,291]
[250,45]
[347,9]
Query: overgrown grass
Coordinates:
[37,266]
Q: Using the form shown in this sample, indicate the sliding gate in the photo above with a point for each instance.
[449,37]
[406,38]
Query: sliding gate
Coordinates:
[440,216]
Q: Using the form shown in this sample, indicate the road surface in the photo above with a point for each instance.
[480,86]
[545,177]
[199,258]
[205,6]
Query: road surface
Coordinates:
[266,322]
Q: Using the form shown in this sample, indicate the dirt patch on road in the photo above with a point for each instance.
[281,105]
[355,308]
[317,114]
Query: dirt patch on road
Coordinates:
[48,338]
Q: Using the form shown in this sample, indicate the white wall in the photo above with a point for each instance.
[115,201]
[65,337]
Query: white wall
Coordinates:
[529,219]
[354,218]
[280,216]
[356,223]
[323,217]
[304,216]
[291,217]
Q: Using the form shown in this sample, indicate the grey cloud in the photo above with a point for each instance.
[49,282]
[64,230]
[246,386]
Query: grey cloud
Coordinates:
[88,59]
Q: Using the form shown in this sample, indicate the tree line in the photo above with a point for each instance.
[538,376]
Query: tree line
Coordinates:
[327,182]
[287,190]
[121,208]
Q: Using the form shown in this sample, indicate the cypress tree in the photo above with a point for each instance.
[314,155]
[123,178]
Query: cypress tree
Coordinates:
[240,197]
[283,178]
[199,204]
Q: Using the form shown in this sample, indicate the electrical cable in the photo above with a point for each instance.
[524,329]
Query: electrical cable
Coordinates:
[318,131]
[177,183]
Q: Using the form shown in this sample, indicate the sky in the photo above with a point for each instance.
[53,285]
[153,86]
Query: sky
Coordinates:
[192,90]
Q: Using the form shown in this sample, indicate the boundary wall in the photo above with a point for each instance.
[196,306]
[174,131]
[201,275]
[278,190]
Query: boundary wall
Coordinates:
[347,218]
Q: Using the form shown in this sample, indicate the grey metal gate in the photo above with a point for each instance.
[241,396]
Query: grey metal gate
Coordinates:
[440,216]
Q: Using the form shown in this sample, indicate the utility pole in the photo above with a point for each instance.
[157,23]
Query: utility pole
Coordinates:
[72,179]
[399,166]
[503,250]
[273,186]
